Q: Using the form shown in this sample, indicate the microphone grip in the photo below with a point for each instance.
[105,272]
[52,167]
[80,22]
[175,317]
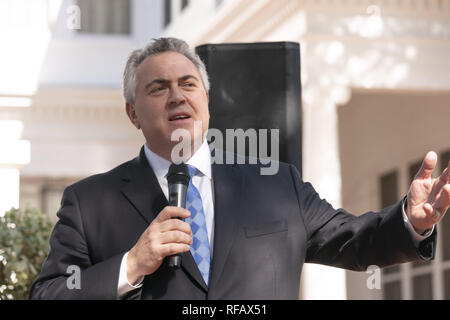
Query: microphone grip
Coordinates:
[177,198]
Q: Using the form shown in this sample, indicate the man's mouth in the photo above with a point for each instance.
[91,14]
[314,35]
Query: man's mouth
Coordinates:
[179,117]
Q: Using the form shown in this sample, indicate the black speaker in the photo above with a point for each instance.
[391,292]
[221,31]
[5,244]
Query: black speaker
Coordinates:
[257,86]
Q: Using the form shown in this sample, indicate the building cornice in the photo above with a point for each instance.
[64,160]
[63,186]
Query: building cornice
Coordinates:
[234,23]
[70,105]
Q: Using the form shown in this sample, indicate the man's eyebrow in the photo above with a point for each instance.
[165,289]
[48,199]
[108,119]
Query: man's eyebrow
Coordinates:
[165,81]
[159,80]
[187,77]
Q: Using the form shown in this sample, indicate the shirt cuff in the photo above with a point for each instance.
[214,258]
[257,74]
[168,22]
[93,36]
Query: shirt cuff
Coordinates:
[124,286]
[416,237]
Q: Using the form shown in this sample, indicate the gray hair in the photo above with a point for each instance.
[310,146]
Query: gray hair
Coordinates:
[156,47]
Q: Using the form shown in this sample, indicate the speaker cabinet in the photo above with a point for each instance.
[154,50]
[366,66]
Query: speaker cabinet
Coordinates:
[257,86]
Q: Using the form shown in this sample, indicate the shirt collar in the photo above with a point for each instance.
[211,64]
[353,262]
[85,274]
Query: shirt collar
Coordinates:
[201,160]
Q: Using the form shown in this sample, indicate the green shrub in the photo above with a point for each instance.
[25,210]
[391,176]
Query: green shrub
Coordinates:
[24,245]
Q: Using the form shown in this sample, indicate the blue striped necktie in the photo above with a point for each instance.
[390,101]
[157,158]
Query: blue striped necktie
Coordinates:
[200,249]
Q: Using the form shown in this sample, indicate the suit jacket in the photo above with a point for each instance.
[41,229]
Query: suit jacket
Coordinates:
[266,227]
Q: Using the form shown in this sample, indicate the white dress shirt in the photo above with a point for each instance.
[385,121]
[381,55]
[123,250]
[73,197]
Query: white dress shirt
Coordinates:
[204,183]
[417,238]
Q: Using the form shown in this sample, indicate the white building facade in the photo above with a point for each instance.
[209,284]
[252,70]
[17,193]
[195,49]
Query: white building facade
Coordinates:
[375,87]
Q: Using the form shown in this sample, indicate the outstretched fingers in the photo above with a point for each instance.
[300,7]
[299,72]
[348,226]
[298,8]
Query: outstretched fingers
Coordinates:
[428,166]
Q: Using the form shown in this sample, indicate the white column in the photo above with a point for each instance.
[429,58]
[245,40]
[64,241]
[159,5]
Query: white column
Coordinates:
[321,167]
[14,154]
[9,189]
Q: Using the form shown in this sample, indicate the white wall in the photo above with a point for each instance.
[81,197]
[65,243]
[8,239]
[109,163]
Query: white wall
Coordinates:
[77,59]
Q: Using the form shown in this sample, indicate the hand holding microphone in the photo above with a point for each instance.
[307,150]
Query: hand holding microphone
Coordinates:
[167,235]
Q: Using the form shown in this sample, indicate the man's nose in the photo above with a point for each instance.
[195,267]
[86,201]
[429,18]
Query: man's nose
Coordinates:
[176,96]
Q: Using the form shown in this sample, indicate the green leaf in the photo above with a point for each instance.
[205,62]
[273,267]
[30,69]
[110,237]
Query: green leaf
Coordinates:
[23,250]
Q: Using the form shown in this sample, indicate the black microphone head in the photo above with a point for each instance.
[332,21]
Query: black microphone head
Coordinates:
[178,173]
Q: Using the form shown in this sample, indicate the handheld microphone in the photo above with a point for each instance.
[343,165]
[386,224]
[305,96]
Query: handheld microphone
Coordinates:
[178,180]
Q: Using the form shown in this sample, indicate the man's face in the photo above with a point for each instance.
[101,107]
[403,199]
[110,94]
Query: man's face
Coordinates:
[169,95]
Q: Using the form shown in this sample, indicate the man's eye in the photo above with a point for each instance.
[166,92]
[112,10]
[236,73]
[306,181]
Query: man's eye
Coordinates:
[157,89]
[189,84]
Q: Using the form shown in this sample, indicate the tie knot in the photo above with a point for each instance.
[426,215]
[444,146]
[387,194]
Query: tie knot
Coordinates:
[192,170]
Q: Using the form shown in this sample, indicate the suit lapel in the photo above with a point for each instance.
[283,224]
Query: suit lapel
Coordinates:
[142,188]
[144,192]
[228,188]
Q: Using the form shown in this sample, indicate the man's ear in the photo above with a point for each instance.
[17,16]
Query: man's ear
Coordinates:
[131,112]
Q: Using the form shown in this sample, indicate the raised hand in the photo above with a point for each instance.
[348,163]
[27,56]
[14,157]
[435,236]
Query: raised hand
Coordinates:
[428,198]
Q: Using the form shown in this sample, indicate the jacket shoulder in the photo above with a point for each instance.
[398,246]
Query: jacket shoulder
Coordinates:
[103,180]
[268,168]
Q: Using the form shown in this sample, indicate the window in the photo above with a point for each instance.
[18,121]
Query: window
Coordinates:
[173,9]
[104,16]
[417,280]
[389,196]
[389,189]
[167,12]
[447,284]
[392,290]
[422,287]
[184,4]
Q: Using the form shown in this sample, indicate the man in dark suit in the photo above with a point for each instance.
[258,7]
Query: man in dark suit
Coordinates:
[250,235]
